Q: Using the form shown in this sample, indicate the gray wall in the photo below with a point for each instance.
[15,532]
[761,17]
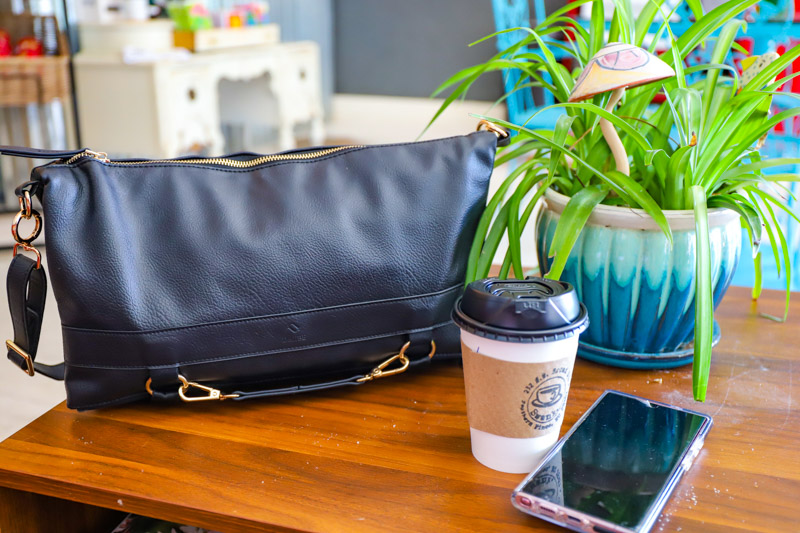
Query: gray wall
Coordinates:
[409,47]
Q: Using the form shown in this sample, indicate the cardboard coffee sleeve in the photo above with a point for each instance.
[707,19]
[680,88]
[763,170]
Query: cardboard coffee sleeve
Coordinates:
[518,400]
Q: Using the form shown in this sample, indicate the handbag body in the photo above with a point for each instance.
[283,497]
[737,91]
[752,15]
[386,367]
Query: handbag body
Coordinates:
[247,276]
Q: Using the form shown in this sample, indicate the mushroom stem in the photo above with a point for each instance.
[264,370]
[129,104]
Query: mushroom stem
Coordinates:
[612,137]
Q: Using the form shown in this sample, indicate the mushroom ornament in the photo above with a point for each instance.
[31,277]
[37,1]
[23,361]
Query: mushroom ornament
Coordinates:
[616,67]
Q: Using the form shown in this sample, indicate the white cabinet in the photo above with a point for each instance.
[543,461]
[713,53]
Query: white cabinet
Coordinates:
[171,106]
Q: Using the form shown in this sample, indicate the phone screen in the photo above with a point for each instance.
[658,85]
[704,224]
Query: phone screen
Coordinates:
[616,463]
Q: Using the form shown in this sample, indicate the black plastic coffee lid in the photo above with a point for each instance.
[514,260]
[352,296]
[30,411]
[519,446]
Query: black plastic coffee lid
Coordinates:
[521,310]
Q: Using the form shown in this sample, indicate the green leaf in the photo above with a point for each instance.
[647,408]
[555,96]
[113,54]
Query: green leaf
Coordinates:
[623,14]
[721,50]
[560,134]
[752,194]
[514,230]
[623,185]
[757,282]
[597,27]
[704,27]
[697,8]
[629,130]
[787,261]
[675,184]
[749,216]
[759,165]
[704,306]
[561,11]
[563,125]
[524,222]
[486,219]
[570,224]
[644,20]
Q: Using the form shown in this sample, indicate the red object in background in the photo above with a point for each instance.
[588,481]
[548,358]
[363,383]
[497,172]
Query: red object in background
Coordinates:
[5,44]
[29,46]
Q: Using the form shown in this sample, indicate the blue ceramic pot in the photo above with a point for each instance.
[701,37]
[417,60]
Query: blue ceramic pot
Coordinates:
[638,290]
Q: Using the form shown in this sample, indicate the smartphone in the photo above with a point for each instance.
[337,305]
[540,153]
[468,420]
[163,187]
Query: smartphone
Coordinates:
[615,469]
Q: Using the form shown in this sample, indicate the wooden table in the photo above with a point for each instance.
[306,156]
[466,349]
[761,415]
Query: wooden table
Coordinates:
[395,455]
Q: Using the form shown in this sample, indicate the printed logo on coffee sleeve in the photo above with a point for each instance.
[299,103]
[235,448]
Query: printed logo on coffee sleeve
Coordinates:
[546,398]
[519,400]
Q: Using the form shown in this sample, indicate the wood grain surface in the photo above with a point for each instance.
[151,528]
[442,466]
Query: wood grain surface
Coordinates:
[395,455]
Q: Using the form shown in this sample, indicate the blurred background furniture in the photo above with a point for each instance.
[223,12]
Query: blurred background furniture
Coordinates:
[35,94]
[147,99]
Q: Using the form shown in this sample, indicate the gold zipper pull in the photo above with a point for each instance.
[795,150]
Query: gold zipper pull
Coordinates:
[100,156]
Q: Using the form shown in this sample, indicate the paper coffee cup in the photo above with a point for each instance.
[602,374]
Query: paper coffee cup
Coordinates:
[519,339]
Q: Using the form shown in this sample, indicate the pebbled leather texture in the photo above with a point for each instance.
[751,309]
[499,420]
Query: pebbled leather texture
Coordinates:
[279,275]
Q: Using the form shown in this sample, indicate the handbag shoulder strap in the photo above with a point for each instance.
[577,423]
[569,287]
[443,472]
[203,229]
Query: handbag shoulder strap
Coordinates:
[26,285]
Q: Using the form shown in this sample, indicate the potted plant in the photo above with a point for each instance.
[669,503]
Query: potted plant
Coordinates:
[647,226]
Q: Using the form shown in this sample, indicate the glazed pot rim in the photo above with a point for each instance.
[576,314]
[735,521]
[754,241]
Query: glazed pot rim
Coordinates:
[634,218]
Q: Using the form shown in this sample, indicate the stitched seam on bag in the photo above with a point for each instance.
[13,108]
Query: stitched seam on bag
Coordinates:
[89,331]
[279,163]
[261,353]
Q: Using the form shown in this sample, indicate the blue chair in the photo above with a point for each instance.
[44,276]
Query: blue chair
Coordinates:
[520,102]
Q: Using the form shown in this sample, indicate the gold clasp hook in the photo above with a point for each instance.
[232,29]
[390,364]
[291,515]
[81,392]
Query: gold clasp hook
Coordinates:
[380,370]
[211,392]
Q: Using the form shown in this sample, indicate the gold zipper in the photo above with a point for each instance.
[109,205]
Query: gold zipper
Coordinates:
[102,156]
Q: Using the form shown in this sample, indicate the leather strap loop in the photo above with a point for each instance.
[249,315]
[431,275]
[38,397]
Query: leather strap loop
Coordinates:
[27,292]
[163,383]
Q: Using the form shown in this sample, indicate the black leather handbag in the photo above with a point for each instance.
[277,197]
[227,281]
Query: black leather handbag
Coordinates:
[246,276]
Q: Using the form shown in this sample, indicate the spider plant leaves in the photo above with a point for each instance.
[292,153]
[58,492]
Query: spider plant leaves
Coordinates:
[487,216]
[697,8]
[631,131]
[623,15]
[515,225]
[492,241]
[562,86]
[749,216]
[704,27]
[739,170]
[597,27]
[721,50]
[570,224]
[523,222]
[645,19]
[625,186]
[560,133]
[711,162]
[745,140]
[526,146]
[676,177]
[787,262]
[704,306]
[767,226]
[559,12]
[756,293]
